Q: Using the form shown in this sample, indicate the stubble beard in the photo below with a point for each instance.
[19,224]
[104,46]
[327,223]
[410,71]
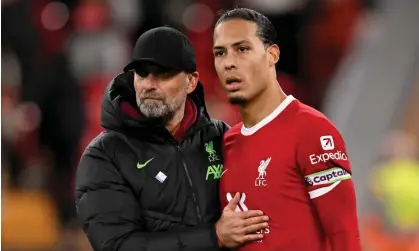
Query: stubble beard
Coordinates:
[161,109]
[156,109]
[237,100]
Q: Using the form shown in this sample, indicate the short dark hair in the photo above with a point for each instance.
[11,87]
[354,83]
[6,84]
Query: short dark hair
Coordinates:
[265,31]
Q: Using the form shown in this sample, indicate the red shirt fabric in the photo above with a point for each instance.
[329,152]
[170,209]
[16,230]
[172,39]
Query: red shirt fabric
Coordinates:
[294,167]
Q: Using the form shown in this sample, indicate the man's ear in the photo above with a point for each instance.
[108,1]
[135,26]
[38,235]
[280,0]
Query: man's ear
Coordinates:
[192,81]
[273,54]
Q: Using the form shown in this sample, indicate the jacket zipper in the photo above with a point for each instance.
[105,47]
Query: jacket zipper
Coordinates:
[198,210]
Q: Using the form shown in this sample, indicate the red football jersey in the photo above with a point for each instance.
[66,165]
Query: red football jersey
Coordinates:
[294,167]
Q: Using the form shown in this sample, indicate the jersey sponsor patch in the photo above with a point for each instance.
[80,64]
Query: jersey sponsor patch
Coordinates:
[327,177]
[324,157]
[327,142]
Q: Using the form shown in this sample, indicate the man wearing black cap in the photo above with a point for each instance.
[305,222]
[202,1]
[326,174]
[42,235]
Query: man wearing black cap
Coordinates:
[150,180]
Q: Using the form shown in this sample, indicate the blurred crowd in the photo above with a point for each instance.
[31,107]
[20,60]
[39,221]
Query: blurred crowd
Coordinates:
[58,56]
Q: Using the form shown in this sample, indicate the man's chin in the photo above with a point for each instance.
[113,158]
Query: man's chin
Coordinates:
[236,99]
[153,111]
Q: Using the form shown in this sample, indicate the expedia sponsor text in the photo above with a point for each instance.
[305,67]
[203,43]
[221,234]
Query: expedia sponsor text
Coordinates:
[323,158]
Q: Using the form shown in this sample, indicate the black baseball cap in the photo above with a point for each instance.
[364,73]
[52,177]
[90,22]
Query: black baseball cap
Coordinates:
[166,47]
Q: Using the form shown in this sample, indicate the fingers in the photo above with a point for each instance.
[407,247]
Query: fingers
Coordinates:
[234,229]
[256,220]
[233,203]
[251,237]
[255,228]
[250,214]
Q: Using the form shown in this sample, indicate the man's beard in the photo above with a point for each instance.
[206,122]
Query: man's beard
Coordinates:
[159,108]
[237,100]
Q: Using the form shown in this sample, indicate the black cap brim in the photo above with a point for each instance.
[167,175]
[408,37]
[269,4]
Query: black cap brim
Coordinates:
[130,66]
[134,63]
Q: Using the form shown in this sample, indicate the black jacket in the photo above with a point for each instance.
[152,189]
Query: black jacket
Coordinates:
[140,189]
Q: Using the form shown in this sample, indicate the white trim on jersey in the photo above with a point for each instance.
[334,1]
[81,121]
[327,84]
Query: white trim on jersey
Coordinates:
[322,191]
[252,130]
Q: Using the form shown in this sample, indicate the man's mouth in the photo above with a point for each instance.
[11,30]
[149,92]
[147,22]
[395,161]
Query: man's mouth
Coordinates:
[152,96]
[233,80]
[233,83]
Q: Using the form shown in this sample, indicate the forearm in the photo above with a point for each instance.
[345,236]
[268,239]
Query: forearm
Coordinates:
[337,212]
[346,241]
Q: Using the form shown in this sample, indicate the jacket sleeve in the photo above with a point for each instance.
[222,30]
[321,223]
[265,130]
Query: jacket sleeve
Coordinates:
[111,215]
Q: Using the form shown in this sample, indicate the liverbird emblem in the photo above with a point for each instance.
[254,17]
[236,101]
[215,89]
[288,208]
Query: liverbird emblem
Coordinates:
[262,168]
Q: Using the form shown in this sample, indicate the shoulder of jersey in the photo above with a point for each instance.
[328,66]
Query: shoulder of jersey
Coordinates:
[309,116]
[234,131]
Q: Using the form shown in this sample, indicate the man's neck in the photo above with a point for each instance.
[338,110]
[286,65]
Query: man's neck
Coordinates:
[261,106]
[174,123]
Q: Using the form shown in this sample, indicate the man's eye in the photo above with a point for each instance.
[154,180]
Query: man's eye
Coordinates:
[219,53]
[243,49]
[141,73]
[167,74]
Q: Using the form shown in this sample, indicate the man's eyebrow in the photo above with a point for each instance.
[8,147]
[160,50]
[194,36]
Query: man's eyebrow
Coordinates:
[239,43]
[218,47]
[233,45]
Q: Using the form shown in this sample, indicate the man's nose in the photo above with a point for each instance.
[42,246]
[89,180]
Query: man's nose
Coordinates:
[230,61]
[150,82]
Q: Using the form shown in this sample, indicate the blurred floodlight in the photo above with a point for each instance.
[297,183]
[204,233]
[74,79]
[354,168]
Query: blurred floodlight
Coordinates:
[127,13]
[197,17]
[54,16]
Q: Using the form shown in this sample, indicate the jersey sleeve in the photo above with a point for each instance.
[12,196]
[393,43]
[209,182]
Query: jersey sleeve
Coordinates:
[323,159]
[324,163]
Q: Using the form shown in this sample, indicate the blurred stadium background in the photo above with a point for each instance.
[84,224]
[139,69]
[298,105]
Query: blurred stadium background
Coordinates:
[355,60]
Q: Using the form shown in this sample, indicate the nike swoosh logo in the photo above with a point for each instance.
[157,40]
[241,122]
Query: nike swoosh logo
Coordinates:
[223,173]
[139,166]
